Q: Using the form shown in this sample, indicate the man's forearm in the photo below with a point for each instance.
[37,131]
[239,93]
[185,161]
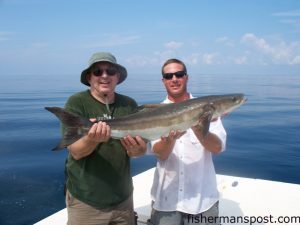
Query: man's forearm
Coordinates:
[82,148]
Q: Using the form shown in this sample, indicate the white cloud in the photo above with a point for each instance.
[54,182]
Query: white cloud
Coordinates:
[260,43]
[225,40]
[110,40]
[137,61]
[295,60]
[243,60]
[222,39]
[251,50]
[290,21]
[293,13]
[173,45]
[278,52]
[291,18]
[209,58]
[39,45]
[5,35]
[148,61]
[192,59]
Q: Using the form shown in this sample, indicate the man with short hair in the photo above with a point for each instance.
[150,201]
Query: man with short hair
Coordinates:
[184,187]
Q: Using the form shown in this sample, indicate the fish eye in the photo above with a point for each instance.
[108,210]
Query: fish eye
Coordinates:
[235,99]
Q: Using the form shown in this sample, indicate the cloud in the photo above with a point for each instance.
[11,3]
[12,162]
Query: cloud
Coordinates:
[110,40]
[250,50]
[291,18]
[279,52]
[293,13]
[260,43]
[173,45]
[209,58]
[171,51]
[293,22]
[5,35]
[39,45]
[139,61]
[242,60]
[295,60]
[192,59]
[225,40]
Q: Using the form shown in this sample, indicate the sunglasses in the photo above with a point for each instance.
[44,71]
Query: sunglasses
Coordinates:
[178,74]
[109,71]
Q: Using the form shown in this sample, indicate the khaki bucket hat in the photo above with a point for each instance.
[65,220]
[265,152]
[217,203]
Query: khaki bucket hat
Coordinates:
[103,57]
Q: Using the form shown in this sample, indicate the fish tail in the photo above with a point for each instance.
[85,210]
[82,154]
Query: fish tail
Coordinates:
[71,135]
[74,126]
[68,119]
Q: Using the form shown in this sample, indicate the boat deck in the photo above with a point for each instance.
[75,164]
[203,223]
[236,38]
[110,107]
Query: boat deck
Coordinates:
[243,201]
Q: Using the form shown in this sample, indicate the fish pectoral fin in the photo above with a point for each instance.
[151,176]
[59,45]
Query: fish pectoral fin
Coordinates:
[205,119]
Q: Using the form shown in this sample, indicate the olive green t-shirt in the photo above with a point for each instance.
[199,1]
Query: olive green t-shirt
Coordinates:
[101,179]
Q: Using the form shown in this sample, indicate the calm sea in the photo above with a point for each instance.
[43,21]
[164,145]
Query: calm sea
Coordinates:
[263,135]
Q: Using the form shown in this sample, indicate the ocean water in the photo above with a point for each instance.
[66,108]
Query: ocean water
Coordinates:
[263,135]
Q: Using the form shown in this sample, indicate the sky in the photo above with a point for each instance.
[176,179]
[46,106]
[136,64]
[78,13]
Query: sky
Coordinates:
[57,37]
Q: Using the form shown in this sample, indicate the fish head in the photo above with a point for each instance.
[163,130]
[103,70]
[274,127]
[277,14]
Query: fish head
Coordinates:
[225,104]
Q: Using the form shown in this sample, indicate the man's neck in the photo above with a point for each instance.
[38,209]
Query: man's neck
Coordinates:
[103,97]
[179,98]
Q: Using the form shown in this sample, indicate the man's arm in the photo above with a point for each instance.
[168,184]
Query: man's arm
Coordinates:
[210,141]
[99,132]
[215,139]
[163,148]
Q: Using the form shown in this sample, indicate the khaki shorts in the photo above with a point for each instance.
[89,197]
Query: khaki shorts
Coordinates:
[80,213]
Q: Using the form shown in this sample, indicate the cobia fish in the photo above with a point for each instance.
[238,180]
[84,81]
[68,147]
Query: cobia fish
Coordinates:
[156,122]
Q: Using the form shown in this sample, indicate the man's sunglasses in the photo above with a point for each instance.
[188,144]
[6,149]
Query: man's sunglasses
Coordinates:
[178,74]
[109,71]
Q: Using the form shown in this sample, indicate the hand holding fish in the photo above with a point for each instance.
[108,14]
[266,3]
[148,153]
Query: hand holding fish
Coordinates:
[164,146]
[134,146]
[173,135]
[99,132]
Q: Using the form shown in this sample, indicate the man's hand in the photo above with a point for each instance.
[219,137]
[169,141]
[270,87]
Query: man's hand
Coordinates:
[99,132]
[173,135]
[134,146]
[163,148]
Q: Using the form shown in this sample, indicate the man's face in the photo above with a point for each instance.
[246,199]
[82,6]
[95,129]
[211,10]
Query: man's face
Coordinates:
[176,85]
[103,78]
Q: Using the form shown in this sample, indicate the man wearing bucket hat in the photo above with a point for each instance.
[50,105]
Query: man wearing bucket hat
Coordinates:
[99,184]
